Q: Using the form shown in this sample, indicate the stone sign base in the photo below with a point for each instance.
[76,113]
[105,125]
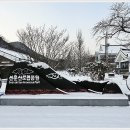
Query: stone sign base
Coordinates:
[64,100]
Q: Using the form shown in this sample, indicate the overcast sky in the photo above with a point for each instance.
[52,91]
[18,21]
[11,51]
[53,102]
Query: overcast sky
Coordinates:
[71,16]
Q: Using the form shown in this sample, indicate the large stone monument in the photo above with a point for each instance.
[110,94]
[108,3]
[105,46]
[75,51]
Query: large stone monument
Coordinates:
[36,78]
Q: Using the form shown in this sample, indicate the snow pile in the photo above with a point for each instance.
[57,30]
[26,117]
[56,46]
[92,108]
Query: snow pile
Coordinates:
[71,95]
[77,77]
[40,64]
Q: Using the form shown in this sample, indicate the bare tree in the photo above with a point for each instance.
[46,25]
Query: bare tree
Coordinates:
[80,48]
[77,56]
[117,24]
[72,57]
[50,42]
[33,37]
[55,43]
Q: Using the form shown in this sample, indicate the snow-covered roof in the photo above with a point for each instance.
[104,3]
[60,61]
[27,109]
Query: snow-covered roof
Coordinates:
[127,53]
[123,55]
[13,55]
[112,49]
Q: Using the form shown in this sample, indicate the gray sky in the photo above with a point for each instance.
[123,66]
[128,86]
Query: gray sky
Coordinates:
[71,16]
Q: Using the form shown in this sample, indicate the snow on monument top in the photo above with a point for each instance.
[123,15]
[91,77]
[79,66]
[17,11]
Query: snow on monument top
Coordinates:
[40,64]
[13,55]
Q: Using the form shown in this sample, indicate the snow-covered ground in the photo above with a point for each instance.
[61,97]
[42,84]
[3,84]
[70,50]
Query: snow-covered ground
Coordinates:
[64,117]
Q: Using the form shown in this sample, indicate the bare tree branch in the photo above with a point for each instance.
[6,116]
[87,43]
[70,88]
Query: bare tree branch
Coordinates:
[50,42]
[117,24]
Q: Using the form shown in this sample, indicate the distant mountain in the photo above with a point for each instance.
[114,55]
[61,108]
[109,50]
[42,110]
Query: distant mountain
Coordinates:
[22,48]
[4,44]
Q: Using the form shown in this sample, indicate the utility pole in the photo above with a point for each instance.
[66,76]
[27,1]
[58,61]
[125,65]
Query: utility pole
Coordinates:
[106,47]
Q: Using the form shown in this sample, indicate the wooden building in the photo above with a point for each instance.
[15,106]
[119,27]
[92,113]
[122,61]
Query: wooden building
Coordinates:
[123,61]
[112,51]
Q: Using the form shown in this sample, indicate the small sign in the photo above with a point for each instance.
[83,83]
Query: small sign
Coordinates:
[24,76]
[24,79]
[54,76]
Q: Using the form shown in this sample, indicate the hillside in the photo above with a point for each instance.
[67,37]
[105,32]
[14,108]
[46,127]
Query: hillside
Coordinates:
[21,47]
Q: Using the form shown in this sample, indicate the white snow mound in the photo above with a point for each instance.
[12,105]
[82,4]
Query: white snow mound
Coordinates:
[40,64]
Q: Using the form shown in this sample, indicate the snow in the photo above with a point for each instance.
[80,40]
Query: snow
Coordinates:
[73,95]
[40,64]
[77,77]
[13,55]
[64,117]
